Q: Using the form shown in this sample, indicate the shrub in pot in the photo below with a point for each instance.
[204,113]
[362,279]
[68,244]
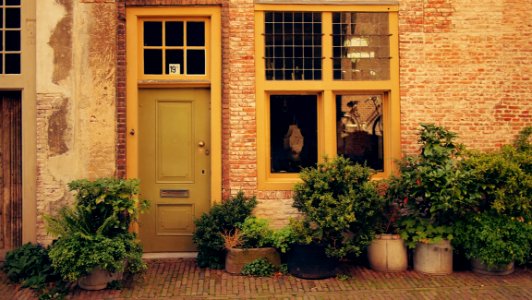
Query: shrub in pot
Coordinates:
[498,231]
[494,242]
[339,206]
[93,234]
[222,218]
[430,192]
[253,240]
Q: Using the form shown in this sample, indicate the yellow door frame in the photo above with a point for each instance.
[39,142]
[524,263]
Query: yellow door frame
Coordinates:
[134,81]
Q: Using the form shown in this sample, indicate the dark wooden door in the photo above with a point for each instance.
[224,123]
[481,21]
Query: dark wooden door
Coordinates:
[10,171]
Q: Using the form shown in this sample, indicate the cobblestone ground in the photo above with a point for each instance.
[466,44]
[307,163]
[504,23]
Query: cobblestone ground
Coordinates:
[182,279]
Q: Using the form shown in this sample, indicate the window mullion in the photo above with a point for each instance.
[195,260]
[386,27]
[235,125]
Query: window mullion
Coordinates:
[327,47]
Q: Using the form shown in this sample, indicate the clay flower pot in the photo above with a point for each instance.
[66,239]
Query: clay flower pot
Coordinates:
[434,258]
[237,258]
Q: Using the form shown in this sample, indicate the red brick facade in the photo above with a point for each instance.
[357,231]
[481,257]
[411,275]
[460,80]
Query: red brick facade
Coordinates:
[465,65]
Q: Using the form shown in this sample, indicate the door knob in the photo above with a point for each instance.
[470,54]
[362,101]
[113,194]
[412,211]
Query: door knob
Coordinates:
[201,144]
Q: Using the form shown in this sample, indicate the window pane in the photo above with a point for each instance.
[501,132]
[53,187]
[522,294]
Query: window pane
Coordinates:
[12,40]
[12,2]
[12,63]
[174,62]
[153,34]
[174,33]
[195,62]
[361,46]
[195,34]
[12,17]
[153,61]
[359,129]
[293,45]
[293,132]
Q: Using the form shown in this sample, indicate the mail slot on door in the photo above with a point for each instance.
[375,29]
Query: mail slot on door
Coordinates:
[167,193]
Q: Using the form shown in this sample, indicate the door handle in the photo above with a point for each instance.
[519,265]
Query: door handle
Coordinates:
[201,144]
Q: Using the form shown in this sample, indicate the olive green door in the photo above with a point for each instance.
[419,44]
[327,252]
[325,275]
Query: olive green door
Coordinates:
[174,165]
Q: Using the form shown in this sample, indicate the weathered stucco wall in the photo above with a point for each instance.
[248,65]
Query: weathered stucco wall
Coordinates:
[76,128]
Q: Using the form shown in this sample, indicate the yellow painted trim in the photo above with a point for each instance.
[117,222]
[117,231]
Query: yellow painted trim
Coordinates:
[133,82]
[327,88]
[326,8]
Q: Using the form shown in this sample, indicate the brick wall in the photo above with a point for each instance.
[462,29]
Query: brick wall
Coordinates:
[466,65]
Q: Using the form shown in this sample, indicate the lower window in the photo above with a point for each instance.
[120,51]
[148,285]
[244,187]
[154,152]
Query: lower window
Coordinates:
[293,132]
[359,129]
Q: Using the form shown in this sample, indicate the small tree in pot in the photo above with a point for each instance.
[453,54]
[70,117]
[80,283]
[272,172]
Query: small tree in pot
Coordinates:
[431,194]
[339,205]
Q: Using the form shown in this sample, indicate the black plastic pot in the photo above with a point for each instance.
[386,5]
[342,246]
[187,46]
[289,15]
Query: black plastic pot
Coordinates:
[310,262]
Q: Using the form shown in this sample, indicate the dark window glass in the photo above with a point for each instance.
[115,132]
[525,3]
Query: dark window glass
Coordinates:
[153,61]
[12,63]
[2,18]
[195,62]
[12,40]
[12,2]
[153,34]
[174,62]
[1,65]
[293,45]
[174,33]
[195,34]
[359,129]
[293,132]
[12,17]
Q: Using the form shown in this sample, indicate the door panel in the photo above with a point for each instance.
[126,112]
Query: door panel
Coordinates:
[174,165]
[10,172]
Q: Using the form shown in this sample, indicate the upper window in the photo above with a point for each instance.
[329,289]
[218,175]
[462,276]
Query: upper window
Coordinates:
[293,45]
[10,30]
[174,48]
[361,46]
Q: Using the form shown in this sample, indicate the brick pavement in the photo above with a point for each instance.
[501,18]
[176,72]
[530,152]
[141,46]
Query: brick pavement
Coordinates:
[181,279]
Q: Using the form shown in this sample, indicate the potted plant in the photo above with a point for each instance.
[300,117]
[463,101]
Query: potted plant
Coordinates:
[225,217]
[499,230]
[338,205]
[251,241]
[93,237]
[387,251]
[429,188]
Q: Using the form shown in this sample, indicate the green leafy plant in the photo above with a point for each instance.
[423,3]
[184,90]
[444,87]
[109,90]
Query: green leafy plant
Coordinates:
[260,268]
[94,232]
[429,193]
[223,217]
[30,266]
[339,206]
[495,239]
[256,233]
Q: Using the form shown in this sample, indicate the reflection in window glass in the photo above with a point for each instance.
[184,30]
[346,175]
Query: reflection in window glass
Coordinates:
[359,129]
[293,132]
[361,46]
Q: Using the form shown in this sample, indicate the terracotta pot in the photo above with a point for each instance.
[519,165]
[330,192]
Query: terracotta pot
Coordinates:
[237,258]
[479,267]
[310,262]
[96,280]
[387,253]
[434,258]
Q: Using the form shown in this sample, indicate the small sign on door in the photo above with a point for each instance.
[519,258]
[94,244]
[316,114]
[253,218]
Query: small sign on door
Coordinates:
[174,69]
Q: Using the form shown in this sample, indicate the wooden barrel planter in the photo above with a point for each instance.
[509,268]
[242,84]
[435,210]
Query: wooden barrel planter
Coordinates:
[434,258]
[237,258]
[479,267]
[310,262]
[387,253]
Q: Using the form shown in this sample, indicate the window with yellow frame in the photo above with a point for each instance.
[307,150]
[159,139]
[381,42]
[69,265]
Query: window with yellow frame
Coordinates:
[327,85]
